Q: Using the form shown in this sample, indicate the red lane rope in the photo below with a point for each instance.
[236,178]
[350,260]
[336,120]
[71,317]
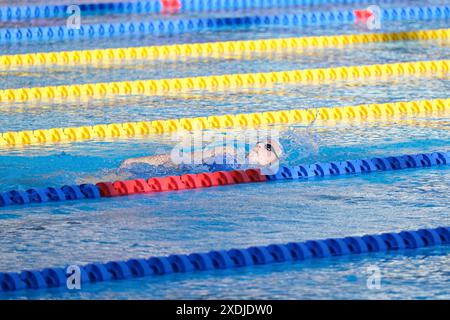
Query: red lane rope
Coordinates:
[182,182]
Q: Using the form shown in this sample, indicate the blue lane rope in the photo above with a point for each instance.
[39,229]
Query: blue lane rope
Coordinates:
[226,259]
[50,194]
[359,166]
[316,170]
[17,13]
[184,25]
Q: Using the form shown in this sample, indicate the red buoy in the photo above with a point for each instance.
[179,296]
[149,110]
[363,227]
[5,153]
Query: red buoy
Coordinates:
[170,6]
[362,15]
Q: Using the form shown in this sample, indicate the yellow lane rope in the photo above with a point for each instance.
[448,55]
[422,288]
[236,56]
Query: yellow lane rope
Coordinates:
[210,49]
[366,112]
[225,82]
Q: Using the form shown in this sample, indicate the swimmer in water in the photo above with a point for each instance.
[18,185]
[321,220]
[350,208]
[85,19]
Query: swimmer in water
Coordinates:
[264,154]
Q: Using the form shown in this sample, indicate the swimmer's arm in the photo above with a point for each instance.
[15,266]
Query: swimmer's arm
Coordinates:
[165,159]
[152,160]
[211,153]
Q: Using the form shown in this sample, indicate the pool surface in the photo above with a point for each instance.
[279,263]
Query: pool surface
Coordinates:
[140,226]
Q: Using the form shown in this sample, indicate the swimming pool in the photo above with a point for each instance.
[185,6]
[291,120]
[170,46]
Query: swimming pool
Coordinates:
[139,226]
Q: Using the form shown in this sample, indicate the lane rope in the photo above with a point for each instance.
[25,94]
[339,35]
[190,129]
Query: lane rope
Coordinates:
[220,178]
[225,82]
[211,49]
[175,26]
[17,13]
[129,130]
[226,259]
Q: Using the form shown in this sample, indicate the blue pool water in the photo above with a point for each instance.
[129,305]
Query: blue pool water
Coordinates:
[57,234]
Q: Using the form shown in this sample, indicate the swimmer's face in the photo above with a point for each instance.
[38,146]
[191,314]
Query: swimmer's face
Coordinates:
[265,153]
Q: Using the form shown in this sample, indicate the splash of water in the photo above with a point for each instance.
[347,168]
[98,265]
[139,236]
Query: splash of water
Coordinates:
[299,144]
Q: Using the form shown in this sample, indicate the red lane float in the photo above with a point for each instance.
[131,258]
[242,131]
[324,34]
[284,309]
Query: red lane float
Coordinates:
[362,15]
[176,183]
[170,6]
[107,189]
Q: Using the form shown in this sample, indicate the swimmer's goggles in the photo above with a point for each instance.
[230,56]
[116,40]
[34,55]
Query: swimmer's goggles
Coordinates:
[268,146]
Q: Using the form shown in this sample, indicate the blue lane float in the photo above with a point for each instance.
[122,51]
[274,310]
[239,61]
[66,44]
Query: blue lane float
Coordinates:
[17,13]
[225,259]
[337,168]
[173,26]
[50,194]
[311,171]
